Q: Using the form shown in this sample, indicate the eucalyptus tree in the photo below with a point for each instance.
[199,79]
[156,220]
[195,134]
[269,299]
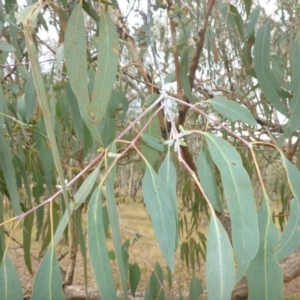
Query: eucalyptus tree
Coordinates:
[199,98]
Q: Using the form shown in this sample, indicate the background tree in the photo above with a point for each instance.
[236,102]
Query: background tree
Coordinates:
[194,102]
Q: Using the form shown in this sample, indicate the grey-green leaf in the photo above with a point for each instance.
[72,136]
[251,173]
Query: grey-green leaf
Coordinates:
[219,262]
[47,283]
[294,122]
[240,198]
[108,55]
[9,174]
[10,284]
[262,67]
[159,205]
[264,275]
[252,21]
[290,238]
[86,187]
[208,179]
[153,142]
[7,47]
[195,289]
[76,62]
[134,278]
[167,172]
[114,220]
[97,247]
[232,110]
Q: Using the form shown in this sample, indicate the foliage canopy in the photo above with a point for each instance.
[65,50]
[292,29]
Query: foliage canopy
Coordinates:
[198,101]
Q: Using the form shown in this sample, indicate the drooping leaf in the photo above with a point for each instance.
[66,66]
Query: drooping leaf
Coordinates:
[40,137]
[167,172]
[248,4]
[252,21]
[97,247]
[10,283]
[86,187]
[152,130]
[152,142]
[290,238]
[232,17]
[195,289]
[2,238]
[108,54]
[114,222]
[208,179]
[294,122]
[76,62]
[262,67]
[155,288]
[9,174]
[7,47]
[27,230]
[240,198]
[74,111]
[48,282]
[264,275]
[183,74]
[232,110]
[55,217]
[237,19]
[134,277]
[160,208]
[219,262]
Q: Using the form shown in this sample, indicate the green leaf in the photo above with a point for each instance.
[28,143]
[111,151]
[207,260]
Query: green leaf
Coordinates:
[262,67]
[252,21]
[80,235]
[237,19]
[264,275]
[155,285]
[76,61]
[7,47]
[232,17]
[160,208]
[167,172]
[86,187]
[208,179]
[2,238]
[240,198]
[97,247]
[183,74]
[108,54]
[152,130]
[232,110]
[114,222]
[48,282]
[153,142]
[294,122]
[10,284]
[27,230]
[151,99]
[134,277]
[195,289]
[248,4]
[219,262]
[9,174]
[56,219]
[30,97]
[290,238]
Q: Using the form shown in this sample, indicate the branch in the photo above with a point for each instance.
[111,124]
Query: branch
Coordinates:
[200,44]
